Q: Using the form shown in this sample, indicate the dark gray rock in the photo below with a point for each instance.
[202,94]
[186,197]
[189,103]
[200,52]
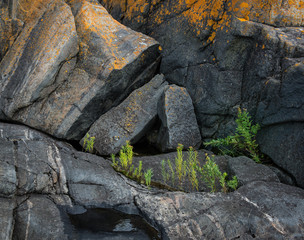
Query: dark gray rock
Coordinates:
[93,182]
[38,218]
[6,218]
[230,56]
[89,64]
[8,179]
[284,144]
[283,176]
[255,211]
[247,171]
[179,125]
[130,120]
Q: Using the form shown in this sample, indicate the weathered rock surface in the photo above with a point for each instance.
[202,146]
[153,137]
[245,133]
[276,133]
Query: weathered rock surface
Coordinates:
[289,141]
[6,218]
[64,70]
[38,218]
[258,210]
[130,120]
[247,171]
[37,208]
[229,54]
[179,124]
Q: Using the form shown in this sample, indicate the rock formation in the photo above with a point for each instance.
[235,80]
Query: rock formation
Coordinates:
[229,54]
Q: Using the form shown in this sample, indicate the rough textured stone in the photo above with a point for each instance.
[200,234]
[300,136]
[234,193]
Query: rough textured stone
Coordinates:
[255,211]
[6,218]
[285,141]
[38,218]
[130,120]
[247,171]
[8,179]
[179,125]
[88,65]
[229,54]
[93,182]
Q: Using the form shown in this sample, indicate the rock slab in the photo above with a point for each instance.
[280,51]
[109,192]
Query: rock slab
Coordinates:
[130,120]
[179,125]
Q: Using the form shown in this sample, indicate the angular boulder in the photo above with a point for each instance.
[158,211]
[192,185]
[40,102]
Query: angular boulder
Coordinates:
[87,65]
[130,120]
[179,125]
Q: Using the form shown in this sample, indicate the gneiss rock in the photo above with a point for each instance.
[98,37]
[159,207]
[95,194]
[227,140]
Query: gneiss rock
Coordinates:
[230,54]
[39,218]
[258,210]
[46,86]
[130,120]
[178,119]
[7,207]
[247,171]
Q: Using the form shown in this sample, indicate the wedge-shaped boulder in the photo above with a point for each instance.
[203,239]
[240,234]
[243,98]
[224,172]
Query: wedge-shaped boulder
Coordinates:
[46,87]
[130,120]
[179,124]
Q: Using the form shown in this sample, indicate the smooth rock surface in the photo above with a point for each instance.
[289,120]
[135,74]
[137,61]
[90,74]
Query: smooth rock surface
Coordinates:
[247,171]
[179,125]
[130,120]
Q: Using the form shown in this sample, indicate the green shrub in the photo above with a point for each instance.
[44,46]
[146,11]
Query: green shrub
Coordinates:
[88,143]
[126,166]
[243,142]
[211,174]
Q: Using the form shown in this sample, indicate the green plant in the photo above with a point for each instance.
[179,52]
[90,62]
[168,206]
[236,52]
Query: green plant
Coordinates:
[233,183]
[88,143]
[126,166]
[211,174]
[243,141]
[148,175]
[182,168]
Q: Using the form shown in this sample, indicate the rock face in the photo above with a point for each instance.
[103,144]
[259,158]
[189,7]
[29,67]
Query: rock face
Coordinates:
[244,214]
[178,119]
[229,54]
[130,120]
[247,171]
[69,65]
[52,180]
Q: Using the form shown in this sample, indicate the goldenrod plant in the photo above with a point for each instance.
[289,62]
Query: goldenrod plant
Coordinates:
[243,142]
[126,166]
[88,143]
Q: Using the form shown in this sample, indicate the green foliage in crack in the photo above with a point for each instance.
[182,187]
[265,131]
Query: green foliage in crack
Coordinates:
[243,142]
[211,174]
[183,168]
[125,165]
[88,143]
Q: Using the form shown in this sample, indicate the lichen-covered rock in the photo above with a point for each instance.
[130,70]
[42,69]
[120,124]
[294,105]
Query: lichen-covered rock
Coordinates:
[179,125]
[230,54]
[64,70]
[130,120]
